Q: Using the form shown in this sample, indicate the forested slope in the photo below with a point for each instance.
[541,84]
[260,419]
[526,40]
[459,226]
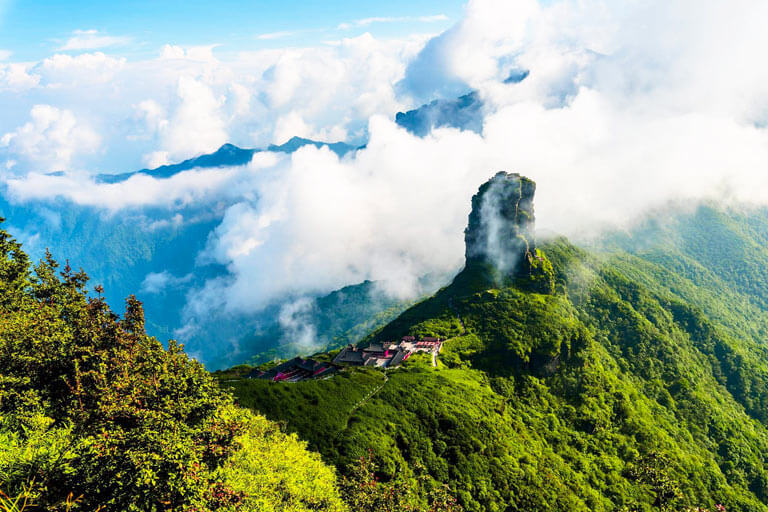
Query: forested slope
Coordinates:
[96,415]
[637,384]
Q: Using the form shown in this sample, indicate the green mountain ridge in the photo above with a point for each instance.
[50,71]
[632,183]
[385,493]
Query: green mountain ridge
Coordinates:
[96,415]
[636,381]
[627,375]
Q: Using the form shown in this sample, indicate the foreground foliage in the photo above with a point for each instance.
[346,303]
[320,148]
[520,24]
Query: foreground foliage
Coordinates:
[96,415]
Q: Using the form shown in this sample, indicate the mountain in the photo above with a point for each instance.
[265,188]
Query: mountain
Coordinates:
[129,250]
[152,251]
[226,156]
[464,113]
[97,415]
[295,143]
[627,375]
[334,320]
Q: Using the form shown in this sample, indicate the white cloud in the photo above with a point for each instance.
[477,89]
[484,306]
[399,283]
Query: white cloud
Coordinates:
[193,53]
[627,106]
[295,319]
[87,69]
[51,138]
[196,125]
[198,98]
[321,222]
[173,222]
[15,77]
[469,54]
[292,125]
[157,159]
[139,191]
[610,122]
[5,54]
[92,40]
[364,22]
[158,282]
[153,114]
[275,35]
[196,186]
[335,89]
[432,18]
[239,99]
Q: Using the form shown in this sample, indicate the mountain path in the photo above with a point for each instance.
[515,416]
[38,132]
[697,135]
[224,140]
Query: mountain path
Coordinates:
[458,317]
[362,402]
[367,397]
[373,392]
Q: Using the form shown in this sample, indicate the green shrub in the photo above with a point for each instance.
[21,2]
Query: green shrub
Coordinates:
[92,407]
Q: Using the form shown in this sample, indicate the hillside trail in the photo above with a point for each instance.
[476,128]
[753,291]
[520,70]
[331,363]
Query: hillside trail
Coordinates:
[461,323]
[367,397]
[458,316]
[373,392]
[362,402]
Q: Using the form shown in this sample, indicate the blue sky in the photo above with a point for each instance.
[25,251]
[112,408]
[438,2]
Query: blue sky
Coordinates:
[32,29]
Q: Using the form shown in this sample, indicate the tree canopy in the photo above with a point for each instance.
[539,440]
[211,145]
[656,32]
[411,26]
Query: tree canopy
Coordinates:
[96,415]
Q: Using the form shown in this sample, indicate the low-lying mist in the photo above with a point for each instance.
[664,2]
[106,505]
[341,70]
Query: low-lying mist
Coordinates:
[625,108]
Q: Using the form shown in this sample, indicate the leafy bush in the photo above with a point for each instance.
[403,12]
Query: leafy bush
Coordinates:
[92,407]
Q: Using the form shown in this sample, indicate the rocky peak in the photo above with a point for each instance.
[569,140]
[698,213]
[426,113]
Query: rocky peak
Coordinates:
[501,225]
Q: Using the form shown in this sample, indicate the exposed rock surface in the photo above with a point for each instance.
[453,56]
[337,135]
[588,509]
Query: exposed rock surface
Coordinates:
[500,236]
[501,225]
[464,113]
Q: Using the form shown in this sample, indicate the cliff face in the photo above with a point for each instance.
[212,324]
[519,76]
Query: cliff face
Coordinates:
[500,236]
[501,225]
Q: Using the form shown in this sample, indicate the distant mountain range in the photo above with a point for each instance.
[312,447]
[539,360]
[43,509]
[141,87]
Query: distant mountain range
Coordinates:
[227,155]
[121,250]
[464,113]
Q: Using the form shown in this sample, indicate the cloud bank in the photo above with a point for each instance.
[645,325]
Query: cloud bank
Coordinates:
[187,101]
[50,138]
[364,22]
[92,40]
[625,107]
